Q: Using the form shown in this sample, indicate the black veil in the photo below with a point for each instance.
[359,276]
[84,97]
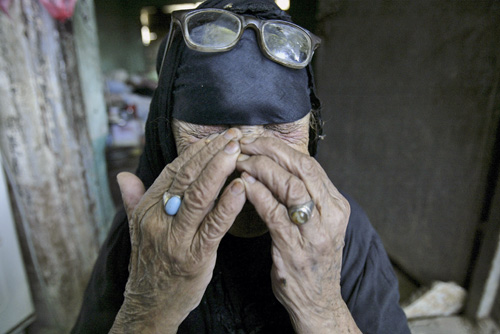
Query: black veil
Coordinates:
[160,146]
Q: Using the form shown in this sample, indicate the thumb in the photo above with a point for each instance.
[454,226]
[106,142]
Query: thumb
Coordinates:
[132,190]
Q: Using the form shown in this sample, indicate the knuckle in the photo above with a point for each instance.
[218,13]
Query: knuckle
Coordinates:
[171,168]
[345,207]
[212,230]
[307,165]
[274,213]
[213,147]
[295,188]
[340,206]
[194,198]
[260,160]
[220,166]
[338,242]
[222,211]
[186,175]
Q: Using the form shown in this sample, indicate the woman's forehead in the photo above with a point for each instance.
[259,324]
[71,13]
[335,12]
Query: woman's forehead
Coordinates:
[187,126]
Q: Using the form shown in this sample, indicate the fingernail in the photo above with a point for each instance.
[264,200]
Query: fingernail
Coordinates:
[211,137]
[243,157]
[248,140]
[229,134]
[232,147]
[119,178]
[237,187]
[248,178]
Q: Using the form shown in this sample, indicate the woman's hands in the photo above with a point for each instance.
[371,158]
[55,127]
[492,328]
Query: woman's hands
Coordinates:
[173,257]
[307,259]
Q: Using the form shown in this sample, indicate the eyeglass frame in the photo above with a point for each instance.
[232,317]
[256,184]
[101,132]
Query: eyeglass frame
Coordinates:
[180,17]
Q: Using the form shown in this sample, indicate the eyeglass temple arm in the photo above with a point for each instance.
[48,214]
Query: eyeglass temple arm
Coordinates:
[167,46]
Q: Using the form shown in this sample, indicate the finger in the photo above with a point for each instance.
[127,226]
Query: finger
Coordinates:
[302,165]
[290,159]
[288,188]
[200,196]
[164,180]
[192,168]
[132,190]
[220,219]
[273,213]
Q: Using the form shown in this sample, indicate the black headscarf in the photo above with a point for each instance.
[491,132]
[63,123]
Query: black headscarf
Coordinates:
[177,81]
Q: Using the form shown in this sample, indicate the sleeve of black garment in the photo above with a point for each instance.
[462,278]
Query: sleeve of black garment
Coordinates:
[104,294]
[369,285]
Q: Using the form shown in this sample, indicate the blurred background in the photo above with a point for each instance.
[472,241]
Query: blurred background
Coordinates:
[411,104]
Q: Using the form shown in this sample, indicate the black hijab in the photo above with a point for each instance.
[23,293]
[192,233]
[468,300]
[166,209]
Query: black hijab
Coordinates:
[180,77]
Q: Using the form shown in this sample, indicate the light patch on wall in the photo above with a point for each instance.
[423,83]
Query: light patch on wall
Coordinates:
[180,6]
[144,17]
[283,4]
[146,34]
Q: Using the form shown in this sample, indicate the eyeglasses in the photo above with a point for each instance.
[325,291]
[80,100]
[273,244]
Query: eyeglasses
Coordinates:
[218,30]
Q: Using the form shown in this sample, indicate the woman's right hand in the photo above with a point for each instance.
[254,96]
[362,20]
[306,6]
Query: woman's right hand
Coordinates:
[173,257]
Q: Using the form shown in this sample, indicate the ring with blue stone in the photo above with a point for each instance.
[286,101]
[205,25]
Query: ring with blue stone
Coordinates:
[171,203]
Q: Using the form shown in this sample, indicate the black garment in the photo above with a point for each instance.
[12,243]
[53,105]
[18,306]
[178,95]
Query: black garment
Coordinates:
[239,298]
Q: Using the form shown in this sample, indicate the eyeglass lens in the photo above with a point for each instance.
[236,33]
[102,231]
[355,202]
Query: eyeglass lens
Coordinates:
[286,42]
[213,29]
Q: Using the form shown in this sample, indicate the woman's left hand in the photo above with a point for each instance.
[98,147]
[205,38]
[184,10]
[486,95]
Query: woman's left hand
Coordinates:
[307,259]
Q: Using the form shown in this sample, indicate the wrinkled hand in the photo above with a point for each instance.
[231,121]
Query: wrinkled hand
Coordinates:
[307,259]
[173,257]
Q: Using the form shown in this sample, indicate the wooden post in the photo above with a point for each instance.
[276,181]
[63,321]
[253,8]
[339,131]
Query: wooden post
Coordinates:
[62,199]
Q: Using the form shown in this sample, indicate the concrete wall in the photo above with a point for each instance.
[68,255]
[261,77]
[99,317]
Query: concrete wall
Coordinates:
[411,101]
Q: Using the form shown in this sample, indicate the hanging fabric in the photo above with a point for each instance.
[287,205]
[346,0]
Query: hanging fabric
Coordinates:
[5,5]
[59,9]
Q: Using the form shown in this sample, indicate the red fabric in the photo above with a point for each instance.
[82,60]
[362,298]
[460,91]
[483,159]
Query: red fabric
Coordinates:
[59,9]
[4,6]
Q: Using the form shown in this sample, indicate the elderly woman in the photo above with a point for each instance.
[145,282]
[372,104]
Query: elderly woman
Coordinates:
[240,229]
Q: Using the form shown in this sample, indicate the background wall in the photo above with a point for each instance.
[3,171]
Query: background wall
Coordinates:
[411,104]
[120,37]
[120,34]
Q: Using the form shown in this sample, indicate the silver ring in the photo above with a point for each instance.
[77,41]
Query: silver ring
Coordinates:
[300,214]
[171,203]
